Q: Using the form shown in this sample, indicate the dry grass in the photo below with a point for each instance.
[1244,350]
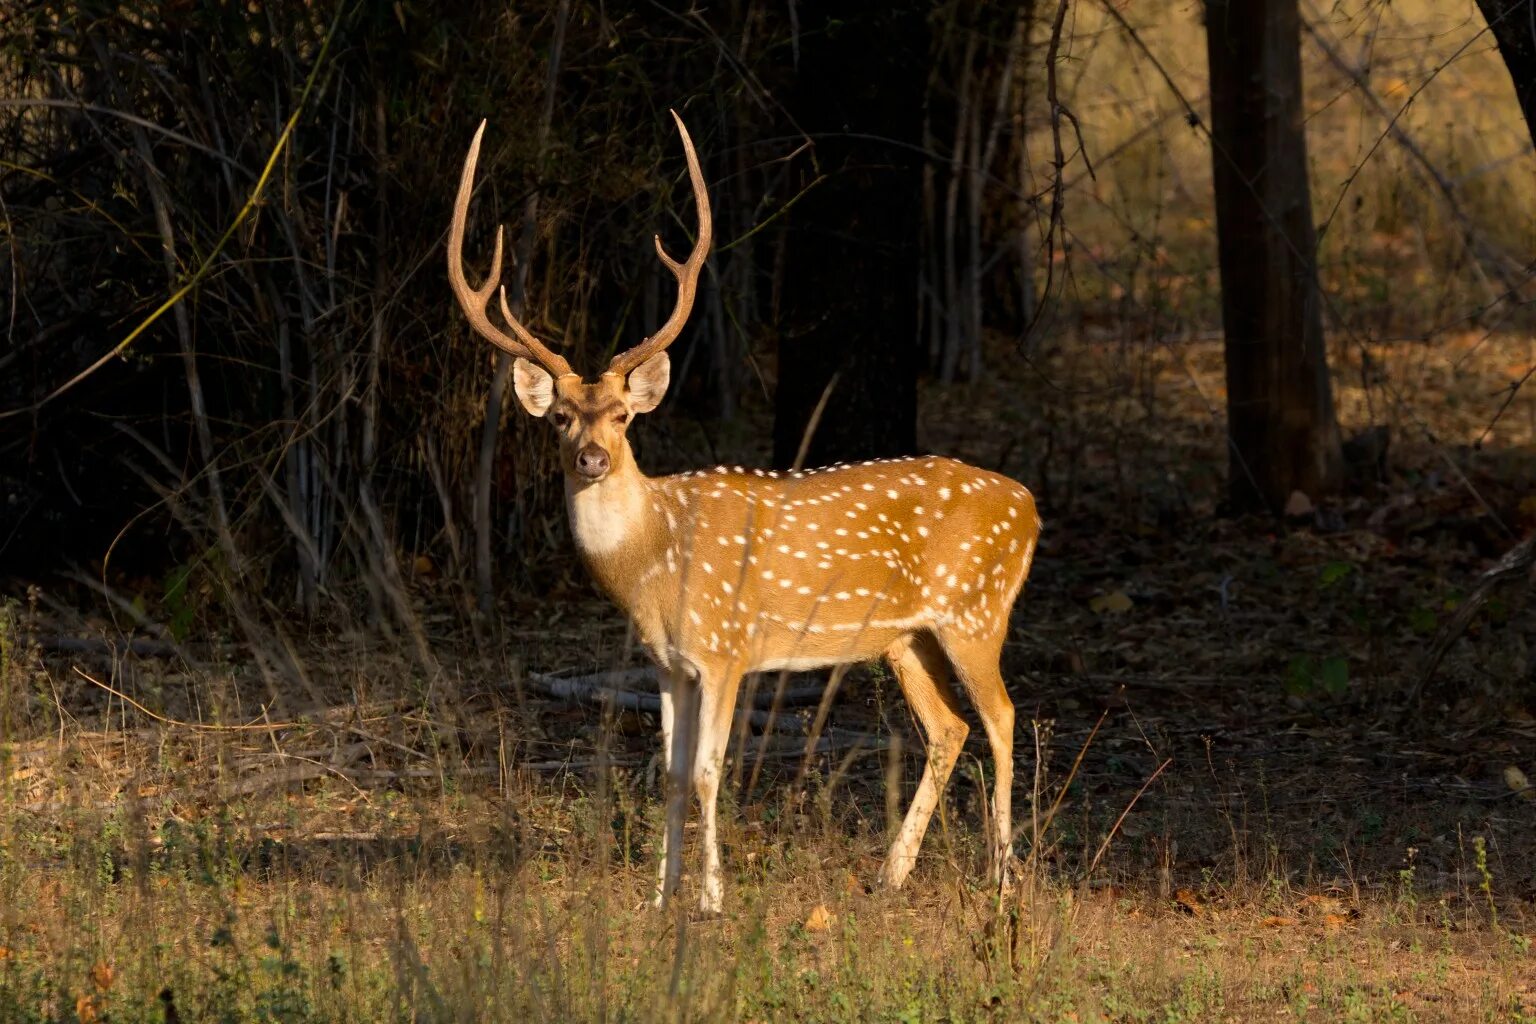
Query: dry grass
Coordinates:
[449,906]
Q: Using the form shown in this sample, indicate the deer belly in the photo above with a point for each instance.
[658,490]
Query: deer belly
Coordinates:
[794,635]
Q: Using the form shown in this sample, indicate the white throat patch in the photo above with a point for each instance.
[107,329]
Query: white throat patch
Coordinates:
[605,514]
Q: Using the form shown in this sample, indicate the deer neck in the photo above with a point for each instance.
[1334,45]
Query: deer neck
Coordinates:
[615,524]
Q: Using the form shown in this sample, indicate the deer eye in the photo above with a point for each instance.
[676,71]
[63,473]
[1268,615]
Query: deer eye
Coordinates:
[559,419]
[621,419]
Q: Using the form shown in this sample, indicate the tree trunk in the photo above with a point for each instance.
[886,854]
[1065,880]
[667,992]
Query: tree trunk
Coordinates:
[485,464]
[1280,419]
[849,316]
[1513,23]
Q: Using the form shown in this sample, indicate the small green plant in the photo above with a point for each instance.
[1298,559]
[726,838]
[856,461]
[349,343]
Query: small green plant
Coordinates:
[1333,573]
[177,599]
[1407,895]
[7,681]
[1307,676]
[1485,878]
[16,654]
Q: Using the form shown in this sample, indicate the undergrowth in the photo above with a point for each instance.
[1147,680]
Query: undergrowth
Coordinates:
[133,917]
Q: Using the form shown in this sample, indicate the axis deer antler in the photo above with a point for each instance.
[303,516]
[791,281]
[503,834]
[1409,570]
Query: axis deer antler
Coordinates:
[474,301]
[687,274]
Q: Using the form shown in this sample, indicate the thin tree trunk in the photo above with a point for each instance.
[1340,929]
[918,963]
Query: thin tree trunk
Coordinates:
[293,475]
[383,561]
[485,462]
[930,310]
[1281,426]
[1513,23]
[850,314]
[975,192]
[1025,212]
[953,304]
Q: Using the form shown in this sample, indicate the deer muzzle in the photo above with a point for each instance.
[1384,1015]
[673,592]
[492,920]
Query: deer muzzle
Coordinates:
[592,462]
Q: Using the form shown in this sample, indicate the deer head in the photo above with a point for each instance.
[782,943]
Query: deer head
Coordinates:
[591,418]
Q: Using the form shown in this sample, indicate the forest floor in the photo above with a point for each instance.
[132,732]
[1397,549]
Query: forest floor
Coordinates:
[1236,800]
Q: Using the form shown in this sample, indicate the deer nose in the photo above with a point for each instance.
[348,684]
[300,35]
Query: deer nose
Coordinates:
[592,462]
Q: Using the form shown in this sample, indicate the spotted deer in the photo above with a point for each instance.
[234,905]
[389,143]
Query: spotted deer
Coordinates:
[727,571]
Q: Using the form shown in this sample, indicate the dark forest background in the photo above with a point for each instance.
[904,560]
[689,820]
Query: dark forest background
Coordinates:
[237,394]
[310,404]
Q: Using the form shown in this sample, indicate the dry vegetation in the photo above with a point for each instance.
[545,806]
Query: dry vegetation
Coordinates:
[1265,822]
[473,847]
[1402,213]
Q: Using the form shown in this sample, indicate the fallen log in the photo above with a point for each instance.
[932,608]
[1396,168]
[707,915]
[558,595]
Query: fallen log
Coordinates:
[588,690]
[1518,561]
[644,680]
[141,646]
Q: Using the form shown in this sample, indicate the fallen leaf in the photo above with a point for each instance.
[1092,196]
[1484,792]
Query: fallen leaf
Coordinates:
[423,566]
[102,974]
[1189,902]
[1322,903]
[1276,921]
[853,883]
[1117,603]
[1298,504]
[1515,779]
[820,919]
[5,953]
[85,1009]
[1335,921]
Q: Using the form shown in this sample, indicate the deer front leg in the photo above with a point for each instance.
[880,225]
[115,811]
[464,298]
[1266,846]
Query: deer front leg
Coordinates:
[668,716]
[717,702]
[679,729]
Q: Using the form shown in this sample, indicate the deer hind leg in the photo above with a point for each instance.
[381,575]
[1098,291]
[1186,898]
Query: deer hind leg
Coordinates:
[927,684]
[717,704]
[976,661]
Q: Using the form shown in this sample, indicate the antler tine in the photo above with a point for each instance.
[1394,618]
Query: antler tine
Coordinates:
[687,274]
[474,301]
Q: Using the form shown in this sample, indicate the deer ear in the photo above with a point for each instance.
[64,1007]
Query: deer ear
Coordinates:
[535,388]
[648,382]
